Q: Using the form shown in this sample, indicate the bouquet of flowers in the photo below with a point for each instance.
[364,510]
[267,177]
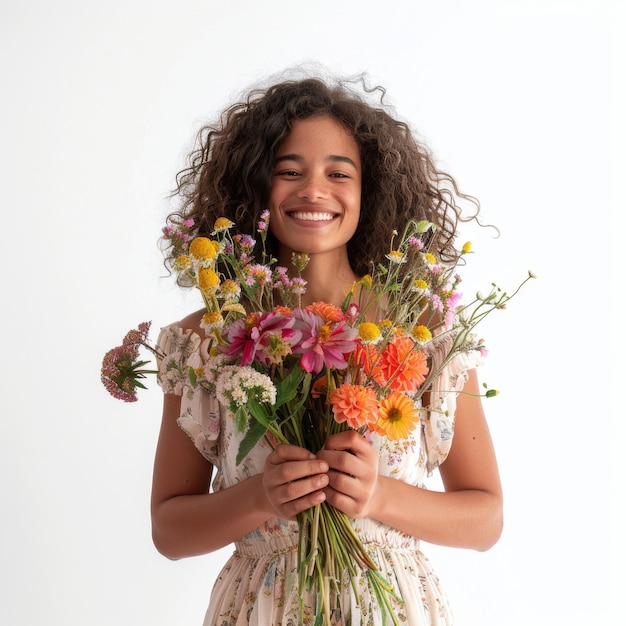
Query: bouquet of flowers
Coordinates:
[297,374]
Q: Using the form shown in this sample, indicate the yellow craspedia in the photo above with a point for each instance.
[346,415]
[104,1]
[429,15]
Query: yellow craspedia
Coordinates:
[221,224]
[207,279]
[203,248]
[421,334]
[368,332]
[467,247]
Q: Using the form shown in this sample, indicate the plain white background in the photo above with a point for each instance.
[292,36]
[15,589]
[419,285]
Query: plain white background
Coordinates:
[521,100]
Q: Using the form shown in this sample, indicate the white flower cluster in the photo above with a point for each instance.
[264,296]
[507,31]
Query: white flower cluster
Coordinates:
[235,385]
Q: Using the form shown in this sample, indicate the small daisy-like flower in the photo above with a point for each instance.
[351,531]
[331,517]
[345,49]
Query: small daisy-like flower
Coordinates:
[203,248]
[258,274]
[467,247]
[397,416]
[230,289]
[430,258]
[182,263]
[395,256]
[222,224]
[369,332]
[211,321]
[419,285]
[421,334]
[207,279]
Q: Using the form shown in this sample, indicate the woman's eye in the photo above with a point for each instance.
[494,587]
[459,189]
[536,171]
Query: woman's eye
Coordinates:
[287,173]
[339,175]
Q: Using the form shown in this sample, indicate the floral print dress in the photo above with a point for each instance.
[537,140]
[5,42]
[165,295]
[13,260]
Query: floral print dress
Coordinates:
[258,585]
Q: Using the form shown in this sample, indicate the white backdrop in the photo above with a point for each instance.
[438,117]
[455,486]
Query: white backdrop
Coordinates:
[521,100]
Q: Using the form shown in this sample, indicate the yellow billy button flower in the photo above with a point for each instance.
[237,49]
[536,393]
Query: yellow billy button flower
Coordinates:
[467,247]
[222,224]
[203,248]
[207,279]
[421,334]
[368,332]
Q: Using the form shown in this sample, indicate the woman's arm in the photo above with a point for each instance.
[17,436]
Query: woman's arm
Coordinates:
[468,514]
[187,520]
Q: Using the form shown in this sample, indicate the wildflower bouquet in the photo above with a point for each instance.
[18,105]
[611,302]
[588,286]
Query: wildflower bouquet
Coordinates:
[297,374]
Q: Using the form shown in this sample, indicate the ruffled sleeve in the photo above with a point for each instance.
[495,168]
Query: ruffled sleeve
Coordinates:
[199,412]
[438,422]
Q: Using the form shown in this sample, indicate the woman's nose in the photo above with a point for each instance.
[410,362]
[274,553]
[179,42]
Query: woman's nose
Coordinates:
[313,187]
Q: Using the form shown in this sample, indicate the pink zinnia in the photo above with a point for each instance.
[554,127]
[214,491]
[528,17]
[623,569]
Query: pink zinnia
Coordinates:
[323,344]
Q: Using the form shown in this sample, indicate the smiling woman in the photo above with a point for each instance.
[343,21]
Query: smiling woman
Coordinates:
[327,179]
[315,197]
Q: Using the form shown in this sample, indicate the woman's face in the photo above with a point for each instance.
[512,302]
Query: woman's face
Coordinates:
[315,194]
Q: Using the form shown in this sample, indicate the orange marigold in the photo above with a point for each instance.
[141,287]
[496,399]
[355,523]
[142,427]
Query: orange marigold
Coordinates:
[397,416]
[403,365]
[354,404]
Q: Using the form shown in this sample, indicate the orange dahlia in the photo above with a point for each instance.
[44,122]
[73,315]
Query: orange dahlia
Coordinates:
[403,365]
[328,312]
[354,404]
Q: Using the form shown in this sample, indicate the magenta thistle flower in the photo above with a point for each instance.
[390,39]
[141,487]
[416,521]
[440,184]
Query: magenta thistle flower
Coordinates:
[323,344]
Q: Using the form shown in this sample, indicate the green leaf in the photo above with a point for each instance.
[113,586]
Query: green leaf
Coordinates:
[256,430]
[287,388]
[193,379]
[260,413]
[241,419]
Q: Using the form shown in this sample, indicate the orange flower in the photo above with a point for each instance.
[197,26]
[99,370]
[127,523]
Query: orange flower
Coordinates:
[319,387]
[403,365]
[354,404]
[366,357]
[397,416]
[328,312]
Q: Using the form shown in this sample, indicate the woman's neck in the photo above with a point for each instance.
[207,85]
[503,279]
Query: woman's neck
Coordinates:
[329,279]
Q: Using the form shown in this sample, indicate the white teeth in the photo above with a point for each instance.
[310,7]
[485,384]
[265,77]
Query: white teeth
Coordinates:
[313,216]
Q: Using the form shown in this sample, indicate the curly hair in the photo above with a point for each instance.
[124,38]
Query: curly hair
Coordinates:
[229,173]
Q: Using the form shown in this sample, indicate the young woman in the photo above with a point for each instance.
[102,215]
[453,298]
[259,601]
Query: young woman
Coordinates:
[337,174]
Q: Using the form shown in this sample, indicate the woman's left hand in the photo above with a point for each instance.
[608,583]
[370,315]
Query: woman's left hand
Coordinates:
[353,474]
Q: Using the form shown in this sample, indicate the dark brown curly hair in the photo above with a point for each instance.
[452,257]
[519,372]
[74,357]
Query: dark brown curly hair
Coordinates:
[229,173]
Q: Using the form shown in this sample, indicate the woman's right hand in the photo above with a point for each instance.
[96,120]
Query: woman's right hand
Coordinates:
[294,480]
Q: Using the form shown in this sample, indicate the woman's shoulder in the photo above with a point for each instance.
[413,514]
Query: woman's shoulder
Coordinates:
[182,337]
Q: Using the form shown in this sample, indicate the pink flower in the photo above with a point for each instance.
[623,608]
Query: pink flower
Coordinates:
[323,344]
[251,338]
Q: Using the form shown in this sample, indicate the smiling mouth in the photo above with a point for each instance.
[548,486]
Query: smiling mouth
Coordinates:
[312,216]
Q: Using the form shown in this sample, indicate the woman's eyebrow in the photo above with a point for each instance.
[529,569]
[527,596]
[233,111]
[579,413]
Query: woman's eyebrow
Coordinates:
[331,157]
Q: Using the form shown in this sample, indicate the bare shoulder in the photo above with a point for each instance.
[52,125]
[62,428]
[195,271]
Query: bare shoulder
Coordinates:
[192,321]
